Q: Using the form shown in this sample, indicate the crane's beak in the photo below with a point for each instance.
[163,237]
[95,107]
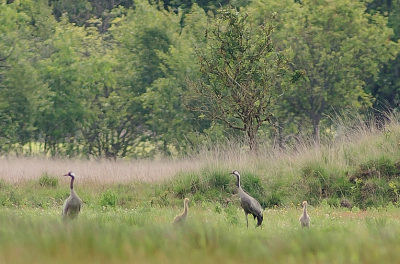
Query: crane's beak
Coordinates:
[66,174]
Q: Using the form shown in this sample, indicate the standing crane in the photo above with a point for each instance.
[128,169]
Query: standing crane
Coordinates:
[182,217]
[72,205]
[248,203]
[304,217]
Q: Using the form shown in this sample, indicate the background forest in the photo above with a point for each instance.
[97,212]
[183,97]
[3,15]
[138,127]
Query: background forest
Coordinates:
[111,78]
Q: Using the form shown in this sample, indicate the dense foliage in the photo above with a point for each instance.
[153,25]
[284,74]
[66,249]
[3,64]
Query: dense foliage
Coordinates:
[109,79]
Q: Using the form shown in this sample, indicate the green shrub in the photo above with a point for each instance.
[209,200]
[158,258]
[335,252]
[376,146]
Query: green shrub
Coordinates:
[317,182]
[48,181]
[333,202]
[231,214]
[207,185]
[160,198]
[388,168]
[376,168]
[219,180]
[274,199]
[4,185]
[341,187]
[276,192]
[108,199]
[185,184]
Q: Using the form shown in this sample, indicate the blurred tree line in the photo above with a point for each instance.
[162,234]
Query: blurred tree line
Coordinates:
[111,78]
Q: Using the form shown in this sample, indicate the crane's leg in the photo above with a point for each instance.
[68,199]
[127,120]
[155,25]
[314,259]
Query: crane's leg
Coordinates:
[247,220]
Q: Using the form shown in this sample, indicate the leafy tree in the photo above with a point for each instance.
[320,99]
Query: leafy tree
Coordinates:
[386,88]
[22,91]
[240,69]
[340,47]
[186,5]
[62,70]
[158,61]
[83,12]
[78,11]
[174,125]
[141,34]
[112,124]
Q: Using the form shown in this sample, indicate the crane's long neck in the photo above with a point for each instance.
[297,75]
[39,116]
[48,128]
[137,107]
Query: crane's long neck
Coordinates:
[238,181]
[305,209]
[186,208]
[72,183]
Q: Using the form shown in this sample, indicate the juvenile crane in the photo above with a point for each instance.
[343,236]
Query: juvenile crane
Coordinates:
[72,205]
[182,217]
[248,203]
[304,218]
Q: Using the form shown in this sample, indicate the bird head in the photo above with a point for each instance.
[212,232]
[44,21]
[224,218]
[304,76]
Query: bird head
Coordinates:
[304,203]
[236,173]
[70,174]
[187,200]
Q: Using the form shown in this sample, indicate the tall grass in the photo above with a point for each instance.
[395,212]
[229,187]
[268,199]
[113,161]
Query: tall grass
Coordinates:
[357,162]
[105,171]
[129,205]
[146,236]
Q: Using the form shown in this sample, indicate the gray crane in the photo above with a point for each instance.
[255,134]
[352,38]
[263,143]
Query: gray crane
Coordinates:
[72,205]
[304,217]
[182,217]
[248,203]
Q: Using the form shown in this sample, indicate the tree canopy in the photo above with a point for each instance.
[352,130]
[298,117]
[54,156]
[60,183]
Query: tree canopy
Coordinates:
[110,79]
[242,73]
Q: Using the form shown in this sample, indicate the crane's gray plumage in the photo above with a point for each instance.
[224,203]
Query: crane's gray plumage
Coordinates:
[72,205]
[248,203]
[182,217]
[304,217]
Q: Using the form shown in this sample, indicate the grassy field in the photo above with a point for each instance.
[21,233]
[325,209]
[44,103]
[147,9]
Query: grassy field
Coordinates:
[129,205]
[145,235]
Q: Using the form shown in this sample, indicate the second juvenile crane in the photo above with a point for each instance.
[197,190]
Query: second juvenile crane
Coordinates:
[182,217]
[248,203]
[304,217]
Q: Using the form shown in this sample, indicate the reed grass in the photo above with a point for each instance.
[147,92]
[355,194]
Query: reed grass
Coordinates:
[129,205]
[145,235]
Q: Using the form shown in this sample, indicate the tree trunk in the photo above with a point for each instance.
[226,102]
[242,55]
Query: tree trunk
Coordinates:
[251,138]
[316,132]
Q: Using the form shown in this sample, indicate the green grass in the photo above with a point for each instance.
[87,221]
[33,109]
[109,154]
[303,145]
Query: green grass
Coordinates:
[128,207]
[145,235]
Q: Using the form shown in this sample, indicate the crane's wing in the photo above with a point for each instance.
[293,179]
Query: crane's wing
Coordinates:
[255,206]
[65,207]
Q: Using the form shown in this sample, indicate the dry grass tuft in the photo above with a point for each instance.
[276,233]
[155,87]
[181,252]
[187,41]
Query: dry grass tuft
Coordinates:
[354,141]
[20,169]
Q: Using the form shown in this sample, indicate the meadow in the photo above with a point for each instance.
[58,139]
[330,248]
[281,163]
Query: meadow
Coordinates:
[129,205]
[145,235]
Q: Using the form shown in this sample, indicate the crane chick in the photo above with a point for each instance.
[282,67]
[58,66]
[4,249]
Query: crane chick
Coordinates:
[304,217]
[72,205]
[182,217]
[248,203]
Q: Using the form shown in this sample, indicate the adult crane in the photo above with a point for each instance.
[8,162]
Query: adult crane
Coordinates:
[248,203]
[72,205]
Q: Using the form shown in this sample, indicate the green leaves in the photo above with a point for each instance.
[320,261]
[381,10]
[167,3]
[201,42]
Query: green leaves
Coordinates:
[340,47]
[116,81]
[240,68]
